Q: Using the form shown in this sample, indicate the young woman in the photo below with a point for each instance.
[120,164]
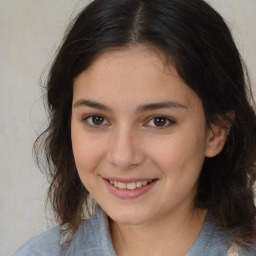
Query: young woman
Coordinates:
[150,145]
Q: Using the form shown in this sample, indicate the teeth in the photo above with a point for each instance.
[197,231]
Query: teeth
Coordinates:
[131,185]
[138,184]
[122,185]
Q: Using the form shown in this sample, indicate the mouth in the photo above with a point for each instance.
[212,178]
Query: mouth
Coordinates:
[128,189]
[130,185]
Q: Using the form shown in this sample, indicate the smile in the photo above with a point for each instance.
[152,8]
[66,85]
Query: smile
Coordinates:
[130,185]
[129,189]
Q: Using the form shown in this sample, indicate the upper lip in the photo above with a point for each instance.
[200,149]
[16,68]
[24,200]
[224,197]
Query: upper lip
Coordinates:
[127,180]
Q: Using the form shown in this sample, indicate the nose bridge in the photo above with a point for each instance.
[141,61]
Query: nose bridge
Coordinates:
[123,149]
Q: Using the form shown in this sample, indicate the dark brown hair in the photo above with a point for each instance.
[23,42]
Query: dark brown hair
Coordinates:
[201,47]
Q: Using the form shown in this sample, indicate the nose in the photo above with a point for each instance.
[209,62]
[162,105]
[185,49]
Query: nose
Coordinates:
[124,151]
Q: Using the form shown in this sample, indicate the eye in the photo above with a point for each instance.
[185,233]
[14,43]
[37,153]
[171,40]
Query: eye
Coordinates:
[160,122]
[96,120]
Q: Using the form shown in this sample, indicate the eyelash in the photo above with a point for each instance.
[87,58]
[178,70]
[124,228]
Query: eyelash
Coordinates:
[168,120]
[86,119]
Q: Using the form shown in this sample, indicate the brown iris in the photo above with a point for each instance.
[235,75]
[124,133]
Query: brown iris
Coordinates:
[97,120]
[160,121]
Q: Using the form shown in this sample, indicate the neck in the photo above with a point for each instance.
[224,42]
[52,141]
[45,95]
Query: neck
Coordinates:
[171,235]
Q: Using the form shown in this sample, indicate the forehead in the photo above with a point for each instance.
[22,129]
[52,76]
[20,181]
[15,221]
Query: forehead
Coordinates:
[136,74]
[129,60]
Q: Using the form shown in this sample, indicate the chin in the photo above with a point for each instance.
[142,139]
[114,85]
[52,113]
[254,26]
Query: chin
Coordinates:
[128,217]
[129,220]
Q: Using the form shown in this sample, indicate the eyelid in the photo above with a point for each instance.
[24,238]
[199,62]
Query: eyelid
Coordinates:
[86,117]
[170,121]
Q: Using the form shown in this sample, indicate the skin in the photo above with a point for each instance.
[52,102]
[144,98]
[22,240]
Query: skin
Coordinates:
[126,142]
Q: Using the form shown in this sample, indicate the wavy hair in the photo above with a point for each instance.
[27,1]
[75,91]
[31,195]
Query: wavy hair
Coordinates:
[199,43]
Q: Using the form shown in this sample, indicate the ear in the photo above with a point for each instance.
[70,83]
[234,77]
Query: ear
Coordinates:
[216,138]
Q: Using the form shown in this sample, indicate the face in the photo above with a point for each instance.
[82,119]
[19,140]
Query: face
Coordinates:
[139,136]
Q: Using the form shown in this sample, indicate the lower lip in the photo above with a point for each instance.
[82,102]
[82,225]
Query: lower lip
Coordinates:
[126,193]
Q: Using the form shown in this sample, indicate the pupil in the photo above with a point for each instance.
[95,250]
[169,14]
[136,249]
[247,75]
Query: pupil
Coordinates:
[160,121]
[97,120]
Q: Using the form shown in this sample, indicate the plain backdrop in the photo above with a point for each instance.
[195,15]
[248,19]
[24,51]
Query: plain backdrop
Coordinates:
[30,32]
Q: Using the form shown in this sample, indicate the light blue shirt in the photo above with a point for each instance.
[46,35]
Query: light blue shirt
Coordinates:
[93,239]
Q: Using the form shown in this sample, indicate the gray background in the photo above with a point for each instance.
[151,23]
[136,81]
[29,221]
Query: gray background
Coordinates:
[30,32]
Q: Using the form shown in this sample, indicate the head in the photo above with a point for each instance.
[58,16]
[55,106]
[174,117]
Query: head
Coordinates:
[190,38]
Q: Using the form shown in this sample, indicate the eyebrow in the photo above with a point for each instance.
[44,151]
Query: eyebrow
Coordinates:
[159,105]
[141,108]
[91,104]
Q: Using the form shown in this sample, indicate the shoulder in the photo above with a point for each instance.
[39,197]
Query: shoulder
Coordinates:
[92,239]
[46,243]
[248,250]
[213,241]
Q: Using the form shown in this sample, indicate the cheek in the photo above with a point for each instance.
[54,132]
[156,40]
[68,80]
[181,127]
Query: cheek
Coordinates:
[86,160]
[178,153]
[86,156]
[87,153]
